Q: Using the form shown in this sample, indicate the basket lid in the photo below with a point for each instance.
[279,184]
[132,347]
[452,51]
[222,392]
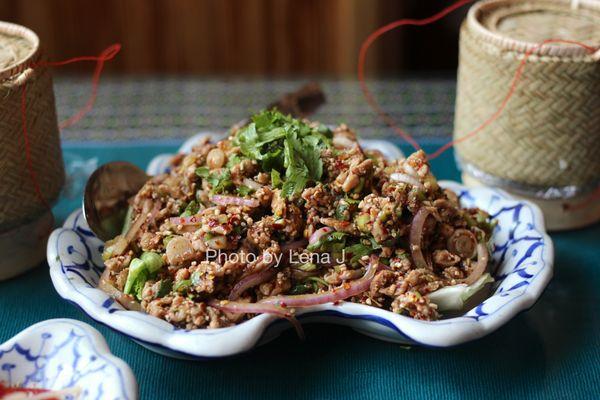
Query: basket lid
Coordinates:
[521,25]
[19,48]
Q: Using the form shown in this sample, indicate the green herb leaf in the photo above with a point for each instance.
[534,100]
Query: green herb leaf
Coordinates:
[302,288]
[203,172]
[182,286]
[233,160]
[244,190]
[221,181]
[196,278]
[136,278]
[318,280]
[294,183]
[333,241]
[357,251]
[191,209]
[275,178]
[287,146]
[166,285]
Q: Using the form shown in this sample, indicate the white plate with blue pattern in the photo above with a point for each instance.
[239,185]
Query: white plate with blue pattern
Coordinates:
[66,355]
[522,260]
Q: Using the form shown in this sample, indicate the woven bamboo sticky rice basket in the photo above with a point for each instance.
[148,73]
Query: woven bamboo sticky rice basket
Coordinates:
[25,219]
[545,145]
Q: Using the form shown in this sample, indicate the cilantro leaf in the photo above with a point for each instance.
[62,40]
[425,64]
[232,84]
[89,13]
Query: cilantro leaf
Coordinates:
[233,160]
[331,241]
[275,178]
[191,209]
[220,181]
[287,146]
[357,251]
[244,190]
[203,172]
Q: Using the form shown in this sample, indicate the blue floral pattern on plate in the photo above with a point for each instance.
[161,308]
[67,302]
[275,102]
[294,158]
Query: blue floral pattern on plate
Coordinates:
[61,353]
[522,266]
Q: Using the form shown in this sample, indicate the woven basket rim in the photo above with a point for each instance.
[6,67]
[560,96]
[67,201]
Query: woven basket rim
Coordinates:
[18,30]
[565,51]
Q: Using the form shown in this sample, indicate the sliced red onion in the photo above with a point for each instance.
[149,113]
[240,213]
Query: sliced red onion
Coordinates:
[250,281]
[479,268]
[238,307]
[234,200]
[416,237]
[346,290]
[318,234]
[404,178]
[191,220]
[252,184]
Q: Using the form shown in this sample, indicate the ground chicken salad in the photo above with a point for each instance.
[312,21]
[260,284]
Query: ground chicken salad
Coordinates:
[285,214]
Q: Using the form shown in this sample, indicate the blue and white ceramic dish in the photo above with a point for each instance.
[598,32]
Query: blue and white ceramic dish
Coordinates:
[59,354]
[522,265]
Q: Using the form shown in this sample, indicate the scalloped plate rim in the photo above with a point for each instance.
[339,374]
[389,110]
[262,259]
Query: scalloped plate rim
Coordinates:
[461,330]
[99,344]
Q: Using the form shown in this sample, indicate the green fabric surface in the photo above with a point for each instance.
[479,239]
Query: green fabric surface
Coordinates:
[551,351]
[167,107]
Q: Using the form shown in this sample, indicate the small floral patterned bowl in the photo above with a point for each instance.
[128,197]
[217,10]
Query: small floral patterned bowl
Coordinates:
[522,260]
[66,355]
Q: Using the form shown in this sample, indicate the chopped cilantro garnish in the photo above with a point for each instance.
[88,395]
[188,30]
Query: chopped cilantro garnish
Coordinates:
[275,178]
[357,251]
[302,288]
[182,286]
[244,190]
[233,160]
[318,280]
[333,241]
[203,172]
[166,285]
[287,146]
[191,209]
[220,181]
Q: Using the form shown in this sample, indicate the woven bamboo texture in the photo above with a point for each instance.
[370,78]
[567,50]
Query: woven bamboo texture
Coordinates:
[19,202]
[549,133]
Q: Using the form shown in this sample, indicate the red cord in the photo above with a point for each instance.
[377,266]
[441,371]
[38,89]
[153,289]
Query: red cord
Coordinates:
[362,55]
[511,90]
[28,161]
[518,74]
[426,21]
[592,198]
[108,54]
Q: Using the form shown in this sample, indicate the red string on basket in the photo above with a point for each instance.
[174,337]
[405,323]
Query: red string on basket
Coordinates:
[362,55]
[514,83]
[426,21]
[509,94]
[108,54]
[589,200]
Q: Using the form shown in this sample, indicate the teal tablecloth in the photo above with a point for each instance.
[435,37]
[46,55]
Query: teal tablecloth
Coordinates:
[551,351]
